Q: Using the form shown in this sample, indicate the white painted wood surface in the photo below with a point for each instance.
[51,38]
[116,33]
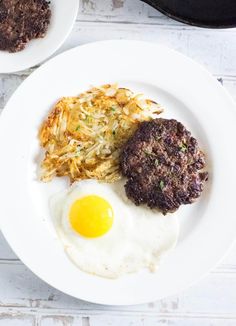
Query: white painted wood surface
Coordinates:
[27,301]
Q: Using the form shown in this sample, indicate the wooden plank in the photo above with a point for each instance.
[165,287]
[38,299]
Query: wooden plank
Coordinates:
[8,84]
[38,319]
[101,321]
[215,296]
[114,11]
[52,320]
[12,319]
[6,252]
[218,43]
[131,11]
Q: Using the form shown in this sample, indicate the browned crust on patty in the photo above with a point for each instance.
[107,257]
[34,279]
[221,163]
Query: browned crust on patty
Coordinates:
[164,166]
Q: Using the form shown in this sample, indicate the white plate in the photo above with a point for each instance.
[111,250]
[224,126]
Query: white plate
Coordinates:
[62,20]
[189,94]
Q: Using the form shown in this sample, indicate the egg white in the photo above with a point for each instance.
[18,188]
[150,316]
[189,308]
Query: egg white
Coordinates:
[138,238]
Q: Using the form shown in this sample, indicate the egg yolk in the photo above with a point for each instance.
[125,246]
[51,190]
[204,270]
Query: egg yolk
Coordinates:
[91,216]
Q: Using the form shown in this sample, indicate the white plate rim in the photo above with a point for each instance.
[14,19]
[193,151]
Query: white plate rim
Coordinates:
[215,84]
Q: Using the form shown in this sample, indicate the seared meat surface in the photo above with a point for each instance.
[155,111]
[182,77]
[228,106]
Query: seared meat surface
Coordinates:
[22,21]
[164,166]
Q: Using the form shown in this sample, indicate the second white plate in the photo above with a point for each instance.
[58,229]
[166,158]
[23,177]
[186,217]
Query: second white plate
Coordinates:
[36,51]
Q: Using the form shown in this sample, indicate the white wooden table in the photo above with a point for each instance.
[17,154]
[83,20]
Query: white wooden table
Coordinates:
[27,301]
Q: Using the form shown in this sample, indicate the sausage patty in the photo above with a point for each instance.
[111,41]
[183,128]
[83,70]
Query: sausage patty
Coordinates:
[22,21]
[164,166]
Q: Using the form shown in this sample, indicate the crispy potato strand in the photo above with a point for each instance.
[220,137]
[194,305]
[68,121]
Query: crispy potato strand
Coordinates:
[82,135]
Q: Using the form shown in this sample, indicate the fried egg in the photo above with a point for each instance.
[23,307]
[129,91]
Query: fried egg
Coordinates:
[105,234]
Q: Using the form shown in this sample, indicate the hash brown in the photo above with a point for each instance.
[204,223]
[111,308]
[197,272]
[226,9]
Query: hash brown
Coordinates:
[82,135]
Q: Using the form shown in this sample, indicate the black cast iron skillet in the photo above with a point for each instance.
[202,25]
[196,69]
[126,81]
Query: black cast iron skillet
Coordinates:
[203,13]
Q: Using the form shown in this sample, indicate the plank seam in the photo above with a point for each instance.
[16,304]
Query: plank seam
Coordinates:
[115,313]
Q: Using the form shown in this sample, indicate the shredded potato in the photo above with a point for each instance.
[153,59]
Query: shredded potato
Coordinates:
[82,136]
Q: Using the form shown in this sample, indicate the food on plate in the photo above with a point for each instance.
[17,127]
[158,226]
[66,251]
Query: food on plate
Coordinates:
[113,136]
[22,21]
[83,135]
[105,234]
[164,165]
